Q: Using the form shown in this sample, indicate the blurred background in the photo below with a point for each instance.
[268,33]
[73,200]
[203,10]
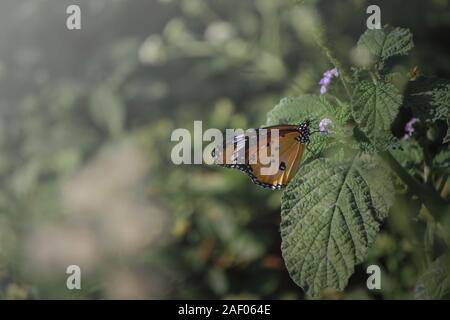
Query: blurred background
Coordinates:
[85,123]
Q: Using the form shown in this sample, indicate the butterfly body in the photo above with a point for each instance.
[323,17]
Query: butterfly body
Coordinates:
[269,156]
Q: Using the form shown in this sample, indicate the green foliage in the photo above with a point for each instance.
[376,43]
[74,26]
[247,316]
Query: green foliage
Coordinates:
[374,108]
[447,135]
[387,42]
[296,110]
[107,110]
[435,282]
[333,209]
[314,108]
[331,214]
[85,123]
[429,98]
[440,102]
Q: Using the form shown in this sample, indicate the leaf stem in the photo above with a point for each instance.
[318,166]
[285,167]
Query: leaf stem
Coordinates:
[373,76]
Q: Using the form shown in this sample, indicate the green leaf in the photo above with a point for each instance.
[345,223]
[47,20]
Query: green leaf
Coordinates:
[429,98]
[447,136]
[387,42]
[296,110]
[107,110]
[441,162]
[374,108]
[409,154]
[331,213]
[435,282]
[314,108]
[440,102]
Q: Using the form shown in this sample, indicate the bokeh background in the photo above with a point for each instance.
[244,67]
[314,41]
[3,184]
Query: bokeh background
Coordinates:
[85,124]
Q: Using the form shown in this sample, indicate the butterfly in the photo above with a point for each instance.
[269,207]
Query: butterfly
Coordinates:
[270,156]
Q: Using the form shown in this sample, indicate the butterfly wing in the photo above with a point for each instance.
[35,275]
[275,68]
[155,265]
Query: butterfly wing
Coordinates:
[290,154]
[238,152]
[289,157]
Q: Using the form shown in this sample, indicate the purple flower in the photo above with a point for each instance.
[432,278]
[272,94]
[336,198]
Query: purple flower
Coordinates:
[326,79]
[409,129]
[323,90]
[334,72]
[323,125]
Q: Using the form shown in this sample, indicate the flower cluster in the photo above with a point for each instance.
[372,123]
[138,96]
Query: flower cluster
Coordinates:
[326,79]
[409,129]
[323,125]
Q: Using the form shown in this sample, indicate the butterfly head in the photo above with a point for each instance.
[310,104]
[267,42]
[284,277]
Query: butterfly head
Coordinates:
[303,128]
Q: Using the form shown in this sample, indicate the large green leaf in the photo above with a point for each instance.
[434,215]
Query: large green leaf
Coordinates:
[313,108]
[435,282]
[387,42]
[331,213]
[374,108]
[296,110]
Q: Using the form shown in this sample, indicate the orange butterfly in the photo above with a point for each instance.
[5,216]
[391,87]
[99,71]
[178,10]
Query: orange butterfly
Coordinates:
[280,147]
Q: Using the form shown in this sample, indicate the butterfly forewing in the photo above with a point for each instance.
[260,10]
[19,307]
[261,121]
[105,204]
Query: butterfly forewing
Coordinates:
[270,156]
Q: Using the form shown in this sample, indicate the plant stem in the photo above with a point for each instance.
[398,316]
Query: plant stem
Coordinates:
[373,76]
[434,203]
[337,99]
[428,239]
[344,77]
